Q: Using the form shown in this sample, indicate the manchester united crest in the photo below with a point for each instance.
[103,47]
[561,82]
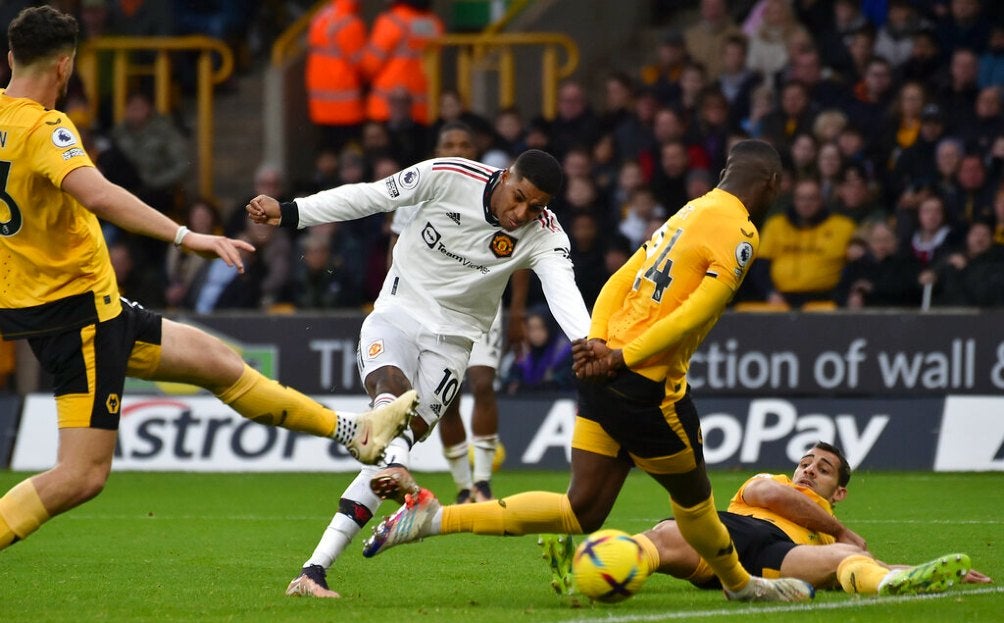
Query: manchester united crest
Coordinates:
[375,349]
[502,245]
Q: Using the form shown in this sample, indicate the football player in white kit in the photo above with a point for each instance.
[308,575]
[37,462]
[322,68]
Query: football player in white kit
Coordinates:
[474,226]
[456,139]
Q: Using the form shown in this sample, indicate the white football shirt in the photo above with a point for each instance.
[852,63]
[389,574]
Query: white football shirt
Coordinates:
[452,261]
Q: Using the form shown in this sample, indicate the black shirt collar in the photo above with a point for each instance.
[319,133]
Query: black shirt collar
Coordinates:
[486,197]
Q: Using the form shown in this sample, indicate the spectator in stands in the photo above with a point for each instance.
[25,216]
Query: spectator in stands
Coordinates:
[992,60]
[710,129]
[861,50]
[274,253]
[668,125]
[706,38]
[793,116]
[392,57]
[669,183]
[872,98]
[882,277]
[762,105]
[544,363]
[693,80]
[894,39]
[329,272]
[802,155]
[975,194]
[932,236]
[971,277]
[452,108]
[334,85]
[409,139]
[510,131]
[736,81]
[587,254]
[947,160]
[901,126]
[836,39]
[182,268]
[768,43]
[663,76]
[925,57]
[156,148]
[855,195]
[629,179]
[957,90]
[638,212]
[268,179]
[828,125]
[829,165]
[618,102]
[963,26]
[915,167]
[803,251]
[575,124]
[137,281]
[324,174]
[825,91]
[987,123]
[218,286]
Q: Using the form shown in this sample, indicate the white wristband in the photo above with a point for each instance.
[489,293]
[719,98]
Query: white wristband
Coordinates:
[178,237]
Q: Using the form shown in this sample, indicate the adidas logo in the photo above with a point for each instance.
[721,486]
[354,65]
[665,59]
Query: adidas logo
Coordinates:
[454,216]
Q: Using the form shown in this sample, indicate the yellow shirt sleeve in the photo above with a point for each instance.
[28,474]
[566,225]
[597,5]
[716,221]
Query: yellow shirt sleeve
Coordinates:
[704,305]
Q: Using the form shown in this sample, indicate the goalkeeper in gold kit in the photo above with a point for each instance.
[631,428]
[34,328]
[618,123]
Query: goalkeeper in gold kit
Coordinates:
[58,291]
[635,408]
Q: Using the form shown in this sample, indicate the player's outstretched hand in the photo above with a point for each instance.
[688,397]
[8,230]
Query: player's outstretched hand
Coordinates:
[227,249]
[264,210]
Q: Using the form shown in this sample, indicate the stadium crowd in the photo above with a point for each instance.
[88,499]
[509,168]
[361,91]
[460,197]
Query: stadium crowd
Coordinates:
[888,116]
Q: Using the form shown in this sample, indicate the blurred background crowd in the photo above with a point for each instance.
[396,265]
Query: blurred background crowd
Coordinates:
[887,113]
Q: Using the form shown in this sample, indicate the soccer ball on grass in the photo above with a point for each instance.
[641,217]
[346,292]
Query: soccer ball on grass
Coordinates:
[608,567]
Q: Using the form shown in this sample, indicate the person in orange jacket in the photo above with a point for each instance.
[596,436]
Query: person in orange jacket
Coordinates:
[335,99]
[393,57]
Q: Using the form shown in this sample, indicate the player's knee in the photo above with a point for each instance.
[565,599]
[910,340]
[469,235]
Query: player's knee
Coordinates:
[88,484]
[387,380]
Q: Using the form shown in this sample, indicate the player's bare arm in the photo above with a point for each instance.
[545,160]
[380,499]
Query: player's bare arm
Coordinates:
[792,505]
[592,360]
[114,204]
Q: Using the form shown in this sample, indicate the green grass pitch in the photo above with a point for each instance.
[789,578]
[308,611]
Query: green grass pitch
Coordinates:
[188,547]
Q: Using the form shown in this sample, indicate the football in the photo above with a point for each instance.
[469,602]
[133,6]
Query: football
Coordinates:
[607,566]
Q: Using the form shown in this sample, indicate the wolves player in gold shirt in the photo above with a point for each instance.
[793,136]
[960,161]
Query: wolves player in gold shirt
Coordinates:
[636,409]
[786,527]
[58,291]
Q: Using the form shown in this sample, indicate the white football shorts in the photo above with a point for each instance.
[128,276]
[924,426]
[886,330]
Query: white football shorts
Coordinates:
[434,364]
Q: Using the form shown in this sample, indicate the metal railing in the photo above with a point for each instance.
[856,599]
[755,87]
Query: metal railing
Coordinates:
[124,67]
[478,54]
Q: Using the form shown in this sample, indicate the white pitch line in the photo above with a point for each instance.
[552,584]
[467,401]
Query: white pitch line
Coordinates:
[750,610]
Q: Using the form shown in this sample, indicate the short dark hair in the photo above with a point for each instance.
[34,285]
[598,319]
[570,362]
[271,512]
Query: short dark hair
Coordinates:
[455,124]
[844,469]
[40,32]
[541,168]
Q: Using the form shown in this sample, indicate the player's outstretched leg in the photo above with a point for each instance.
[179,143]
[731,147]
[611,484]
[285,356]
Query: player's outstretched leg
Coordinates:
[410,523]
[559,551]
[311,582]
[378,427]
[933,576]
[780,589]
